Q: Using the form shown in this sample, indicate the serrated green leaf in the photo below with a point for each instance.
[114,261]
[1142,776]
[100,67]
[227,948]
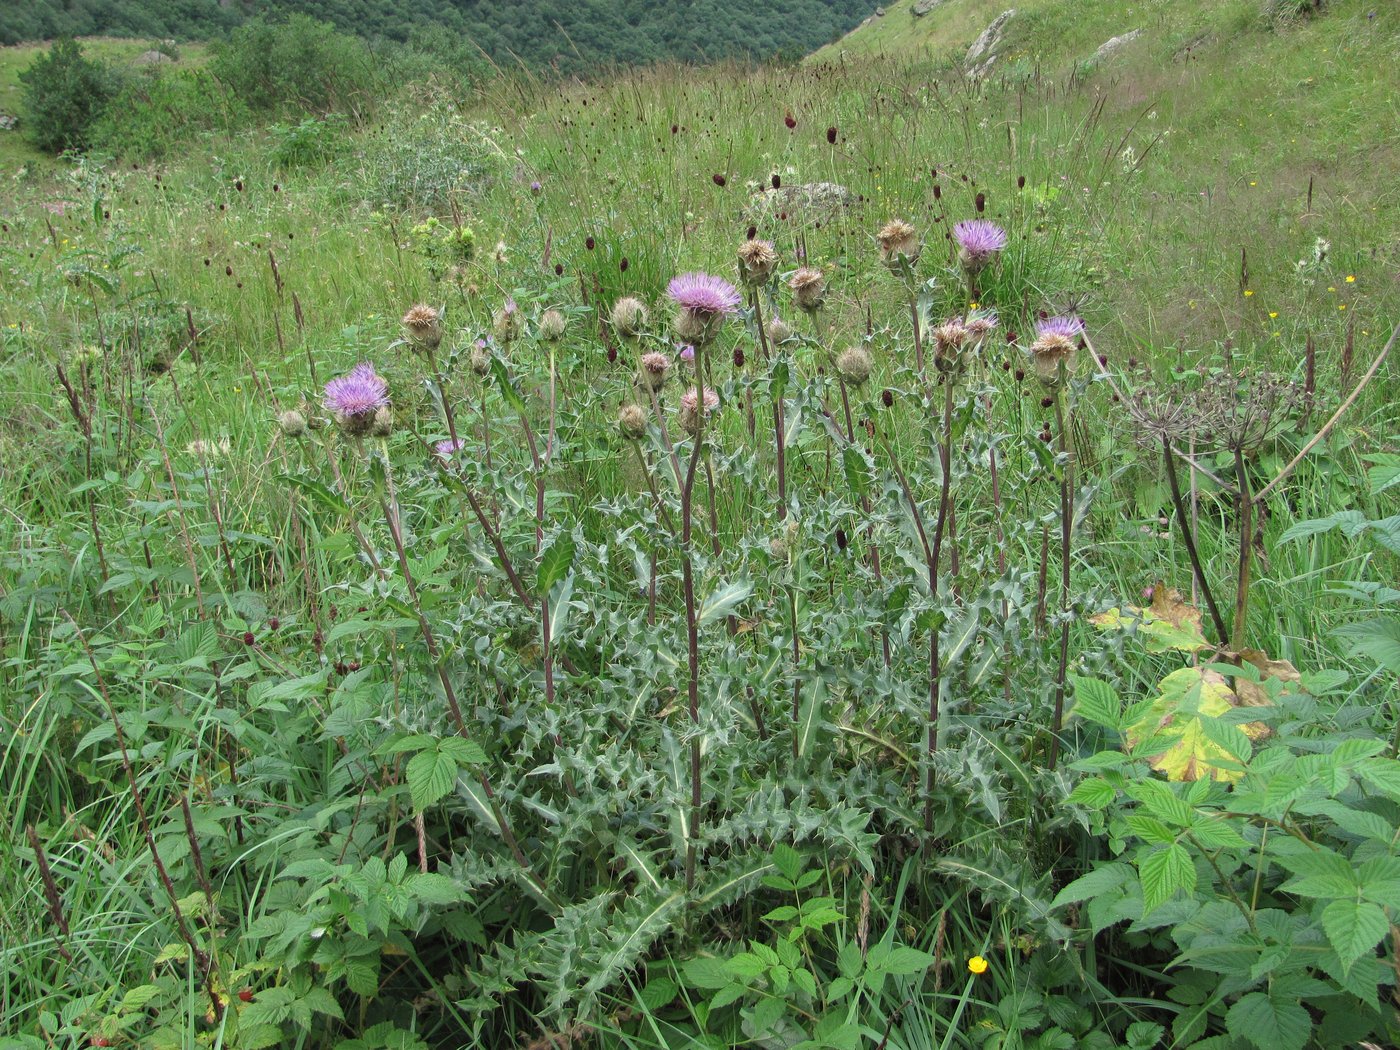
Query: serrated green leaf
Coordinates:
[1095,701]
[1269,1024]
[724,599]
[1353,928]
[430,775]
[1162,873]
[555,562]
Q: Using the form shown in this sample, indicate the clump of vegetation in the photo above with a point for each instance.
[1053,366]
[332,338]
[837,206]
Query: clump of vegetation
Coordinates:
[65,94]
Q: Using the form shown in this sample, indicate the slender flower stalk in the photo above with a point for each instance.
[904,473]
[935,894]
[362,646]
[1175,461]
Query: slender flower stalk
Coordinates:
[1066,525]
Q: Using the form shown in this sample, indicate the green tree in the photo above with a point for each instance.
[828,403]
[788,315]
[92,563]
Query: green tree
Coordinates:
[64,94]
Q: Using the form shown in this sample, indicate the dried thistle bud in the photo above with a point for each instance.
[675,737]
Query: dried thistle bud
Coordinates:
[900,246]
[552,325]
[855,365]
[757,261]
[655,366]
[808,287]
[629,316]
[383,424]
[507,322]
[292,423]
[424,325]
[632,422]
[778,331]
[949,339]
[481,359]
[695,407]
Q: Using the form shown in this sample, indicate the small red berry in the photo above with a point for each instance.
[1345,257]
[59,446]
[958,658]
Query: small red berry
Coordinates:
[248,638]
[719,180]
[790,121]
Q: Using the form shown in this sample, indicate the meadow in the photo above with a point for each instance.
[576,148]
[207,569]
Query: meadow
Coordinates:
[828,555]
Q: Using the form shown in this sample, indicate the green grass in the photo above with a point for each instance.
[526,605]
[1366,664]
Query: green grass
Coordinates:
[283,271]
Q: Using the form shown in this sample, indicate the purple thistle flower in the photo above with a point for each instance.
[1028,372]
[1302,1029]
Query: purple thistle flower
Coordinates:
[687,354]
[361,392]
[1068,327]
[979,240]
[703,294]
[535,187]
[447,448]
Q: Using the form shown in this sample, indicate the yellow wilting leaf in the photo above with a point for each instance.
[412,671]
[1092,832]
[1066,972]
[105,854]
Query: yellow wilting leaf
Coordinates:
[1194,747]
[1169,622]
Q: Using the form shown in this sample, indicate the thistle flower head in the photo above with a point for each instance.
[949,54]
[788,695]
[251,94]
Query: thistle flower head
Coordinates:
[481,358]
[979,240]
[655,366]
[855,365]
[949,338]
[507,322]
[980,325]
[447,448]
[702,293]
[424,325]
[632,422]
[704,301]
[1056,348]
[552,325]
[808,287]
[686,354]
[900,246]
[629,316]
[695,407]
[383,423]
[778,331]
[355,398]
[292,423]
[757,261]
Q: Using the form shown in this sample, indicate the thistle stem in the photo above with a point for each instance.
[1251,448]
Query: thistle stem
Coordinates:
[1246,513]
[1066,523]
[1189,540]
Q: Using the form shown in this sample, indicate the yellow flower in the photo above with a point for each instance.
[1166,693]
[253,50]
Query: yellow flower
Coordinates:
[1342,307]
[1248,292]
[1273,314]
[1351,279]
[977,964]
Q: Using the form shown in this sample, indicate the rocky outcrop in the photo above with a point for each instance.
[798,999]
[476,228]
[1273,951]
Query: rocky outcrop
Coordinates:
[982,53]
[1108,47]
[153,58]
[923,7]
[805,202]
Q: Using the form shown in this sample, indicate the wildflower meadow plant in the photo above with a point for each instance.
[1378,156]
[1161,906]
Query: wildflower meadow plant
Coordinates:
[354,399]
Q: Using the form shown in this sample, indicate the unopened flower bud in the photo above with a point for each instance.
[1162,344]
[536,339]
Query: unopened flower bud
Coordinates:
[552,325]
[632,422]
[629,316]
[383,422]
[808,287]
[655,366]
[292,423]
[855,365]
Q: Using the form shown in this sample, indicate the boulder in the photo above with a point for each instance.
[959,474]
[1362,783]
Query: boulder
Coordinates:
[923,7]
[153,58]
[804,202]
[1108,47]
[980,55]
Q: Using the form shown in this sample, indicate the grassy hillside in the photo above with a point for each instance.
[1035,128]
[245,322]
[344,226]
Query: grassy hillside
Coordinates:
[534,710]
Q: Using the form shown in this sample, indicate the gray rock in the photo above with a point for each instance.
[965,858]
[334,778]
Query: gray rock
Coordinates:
[153,58]
[804,202]
[879,12]
[1108,47]
[980,54]
[923,7]
[8,122]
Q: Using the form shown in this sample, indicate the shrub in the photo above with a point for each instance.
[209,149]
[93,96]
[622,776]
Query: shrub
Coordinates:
[312,141]
[155,115]
[300,65]
[64,94]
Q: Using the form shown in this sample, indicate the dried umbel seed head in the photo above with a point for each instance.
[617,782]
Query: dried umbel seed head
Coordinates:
[899,245]
[778,331]
[552,325]
[757,261]
[507,322]
[808,287]
[855,365]
[355,398]
[1056,348]
[949,339]
[691,414]
[629,316]
[424,325]
[978,242]
[655,366]
[632,422]
[292,423]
